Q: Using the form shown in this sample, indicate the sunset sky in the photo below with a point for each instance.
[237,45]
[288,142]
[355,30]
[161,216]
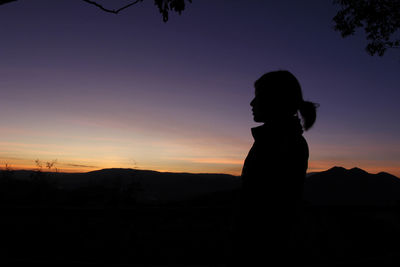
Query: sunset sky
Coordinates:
[96,90]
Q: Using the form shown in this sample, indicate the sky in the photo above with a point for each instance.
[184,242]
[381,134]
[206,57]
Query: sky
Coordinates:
[96,90]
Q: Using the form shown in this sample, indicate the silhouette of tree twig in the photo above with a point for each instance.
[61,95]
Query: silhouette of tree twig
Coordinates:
[164,6]
[114,11]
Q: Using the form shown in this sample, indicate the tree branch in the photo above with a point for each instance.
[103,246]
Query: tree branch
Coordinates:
[2,2]
[114,11]
[394,47]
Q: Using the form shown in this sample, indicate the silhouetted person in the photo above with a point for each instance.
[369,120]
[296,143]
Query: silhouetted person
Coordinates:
[274,171]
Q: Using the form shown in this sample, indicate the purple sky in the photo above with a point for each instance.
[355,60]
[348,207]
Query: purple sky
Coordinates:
[97,90]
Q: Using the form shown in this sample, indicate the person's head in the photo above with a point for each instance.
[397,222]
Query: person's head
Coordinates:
[278,96]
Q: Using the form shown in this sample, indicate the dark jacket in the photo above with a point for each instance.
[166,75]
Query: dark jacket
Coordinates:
[273,177]
[275,168]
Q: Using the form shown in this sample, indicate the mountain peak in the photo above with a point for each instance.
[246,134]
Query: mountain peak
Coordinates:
[337,169]
[354,170]
[357,170]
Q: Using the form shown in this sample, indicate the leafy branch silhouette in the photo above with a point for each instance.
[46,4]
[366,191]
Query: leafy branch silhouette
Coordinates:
[379,19]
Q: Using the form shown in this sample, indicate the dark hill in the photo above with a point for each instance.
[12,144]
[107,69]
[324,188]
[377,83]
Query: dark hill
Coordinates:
[336,186]
[340,186]
[168,186]
[153,186]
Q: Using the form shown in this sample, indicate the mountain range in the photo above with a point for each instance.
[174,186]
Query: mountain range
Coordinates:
[340,186]
[336,186]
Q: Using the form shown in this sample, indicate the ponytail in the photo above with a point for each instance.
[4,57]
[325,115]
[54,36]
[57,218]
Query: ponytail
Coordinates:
[308,112]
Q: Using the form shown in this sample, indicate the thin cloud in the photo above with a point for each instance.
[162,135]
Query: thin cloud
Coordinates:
[79,165]
[223,161]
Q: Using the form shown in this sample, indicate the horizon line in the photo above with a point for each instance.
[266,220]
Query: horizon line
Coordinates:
[45,170]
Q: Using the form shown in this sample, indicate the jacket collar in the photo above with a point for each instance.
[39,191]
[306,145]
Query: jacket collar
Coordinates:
[291,126]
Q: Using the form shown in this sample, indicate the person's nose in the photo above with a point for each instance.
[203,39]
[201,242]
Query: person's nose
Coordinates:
[252,102]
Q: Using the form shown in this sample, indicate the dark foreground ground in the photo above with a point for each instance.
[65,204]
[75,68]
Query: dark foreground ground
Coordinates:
[48,220]
[187,236]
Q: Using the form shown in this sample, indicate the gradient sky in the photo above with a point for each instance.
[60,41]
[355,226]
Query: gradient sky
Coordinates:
[97,90]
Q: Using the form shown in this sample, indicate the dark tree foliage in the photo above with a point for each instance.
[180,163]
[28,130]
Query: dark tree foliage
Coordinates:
[164,6]
[380,20]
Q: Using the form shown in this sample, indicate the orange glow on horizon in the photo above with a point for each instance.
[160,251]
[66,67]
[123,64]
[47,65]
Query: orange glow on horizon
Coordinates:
[206,165]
